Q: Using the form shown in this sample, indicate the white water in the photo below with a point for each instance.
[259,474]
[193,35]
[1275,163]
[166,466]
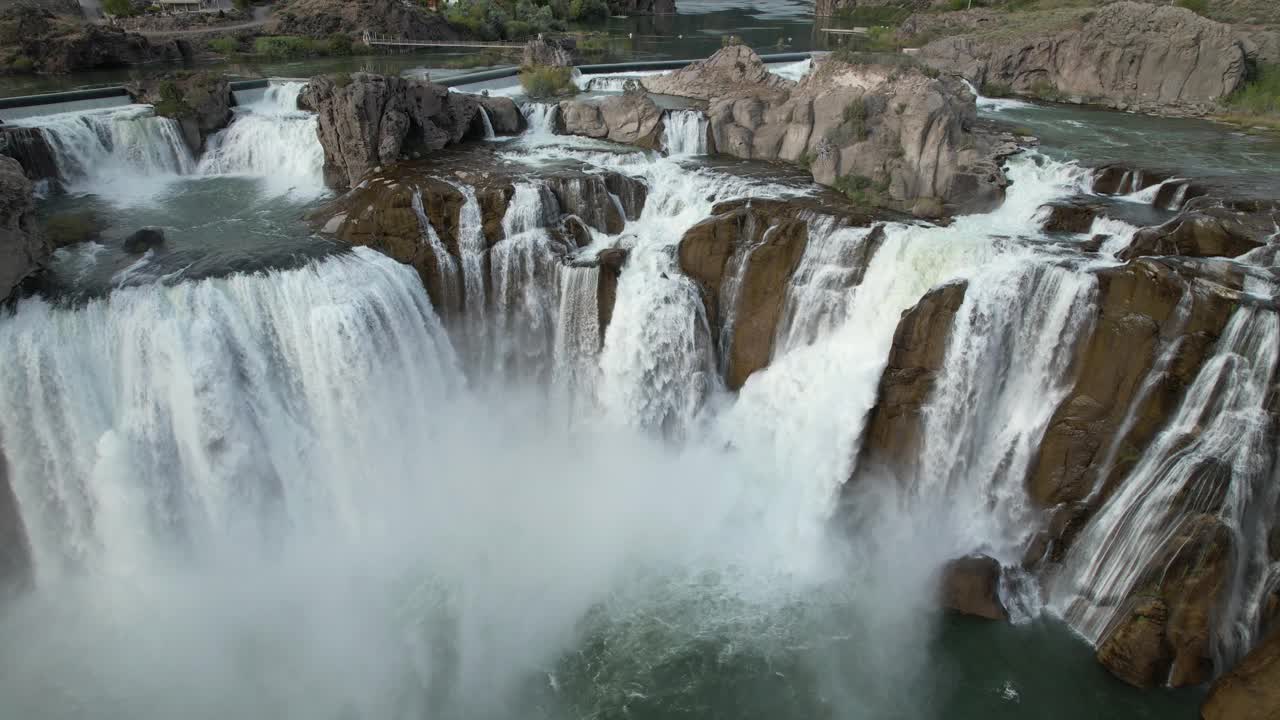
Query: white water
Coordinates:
[792,71]
[1221,422]
[270,139]
[685,133]
[541,118]
[446,266]
[820,288]
[611,82]
[125,154]
[489,134]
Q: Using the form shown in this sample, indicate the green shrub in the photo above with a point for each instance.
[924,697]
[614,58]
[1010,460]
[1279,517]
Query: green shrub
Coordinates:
[1260,95]
[288,46]
[996,90]
[224,45]
[855,120]
[338,44]
[172,104]
[1199,7]
[580,10]
[119,8]
[862,190]
[22,64]
[546,81]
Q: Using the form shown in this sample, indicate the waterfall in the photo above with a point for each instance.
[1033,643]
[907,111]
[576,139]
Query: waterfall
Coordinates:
[147,423]
[524,273]
[541,118]
[273,140]
[793,71]
[446,265]
[489,134]
[685,133]
[613,82]
[125,153]
[1222,423]
[472,249]
[577,341]
[1004,374]
[731,286]
[833,262]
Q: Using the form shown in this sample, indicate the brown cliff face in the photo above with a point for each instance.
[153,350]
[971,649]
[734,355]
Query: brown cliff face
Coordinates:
[1125,55]
[1251,690]
[367,121]
[754,247]
[892,439]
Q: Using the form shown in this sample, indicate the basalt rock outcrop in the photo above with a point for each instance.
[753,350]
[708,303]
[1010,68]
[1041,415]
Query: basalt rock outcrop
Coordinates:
[32,151]
[504,114]
[971,586]
[732,69]
[891,135]
[892,438]
[200,102]
[1251,690]
[551,52]
[1206,228]
[1125,55]
[387,18]
[45,42]
[367,121]
[631,119]
[743,257]
[23,248]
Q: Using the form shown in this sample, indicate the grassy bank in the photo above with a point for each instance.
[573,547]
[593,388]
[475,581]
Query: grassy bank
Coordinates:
[1257,104]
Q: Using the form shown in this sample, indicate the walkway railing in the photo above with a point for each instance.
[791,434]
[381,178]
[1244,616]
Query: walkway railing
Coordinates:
[370,39]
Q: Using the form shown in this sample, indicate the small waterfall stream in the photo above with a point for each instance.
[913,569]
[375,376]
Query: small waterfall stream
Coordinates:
[685,133]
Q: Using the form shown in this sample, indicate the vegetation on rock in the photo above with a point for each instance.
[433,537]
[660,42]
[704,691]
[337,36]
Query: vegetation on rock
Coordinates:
[544,81]
[1258,102]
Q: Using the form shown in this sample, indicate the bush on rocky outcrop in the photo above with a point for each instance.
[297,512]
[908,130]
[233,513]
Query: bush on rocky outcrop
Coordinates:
[200,102]
[546,81]
[1258,101]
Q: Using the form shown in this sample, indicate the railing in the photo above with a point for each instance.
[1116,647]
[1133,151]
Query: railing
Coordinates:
[370,39]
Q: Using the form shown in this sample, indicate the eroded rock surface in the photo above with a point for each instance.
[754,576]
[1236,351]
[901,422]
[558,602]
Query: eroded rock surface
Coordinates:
[631,119]
[732,69]
[1125,55]
[1251,690]
[366,121]
[971,586]
[23,248]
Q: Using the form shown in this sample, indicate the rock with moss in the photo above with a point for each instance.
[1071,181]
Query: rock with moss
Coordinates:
[200,102]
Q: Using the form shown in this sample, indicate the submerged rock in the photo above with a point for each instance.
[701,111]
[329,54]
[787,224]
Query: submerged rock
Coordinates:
[144,240]
[1124,55]
[23,247]
[971,586]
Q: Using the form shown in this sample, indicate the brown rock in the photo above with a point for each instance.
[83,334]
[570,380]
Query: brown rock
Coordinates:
[1251,690]
[892,437]
[587,196]
[730,69]
[611,262]
[1120,180]
[1212,232]
[1135,651]
[1071,218]
[971,586]
[30,148]
[763,241]
[200,102]
[551,52]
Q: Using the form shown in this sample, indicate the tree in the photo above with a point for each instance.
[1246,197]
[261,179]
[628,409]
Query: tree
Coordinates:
[118,8]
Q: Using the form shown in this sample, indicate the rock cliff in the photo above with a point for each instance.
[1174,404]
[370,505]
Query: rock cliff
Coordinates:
[1125,55]
[889,135]
[50,43]
[23,248]
[367,121]
[1251,691]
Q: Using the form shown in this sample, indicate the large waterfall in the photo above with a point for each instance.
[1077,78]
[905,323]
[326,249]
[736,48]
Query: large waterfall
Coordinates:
[307,493]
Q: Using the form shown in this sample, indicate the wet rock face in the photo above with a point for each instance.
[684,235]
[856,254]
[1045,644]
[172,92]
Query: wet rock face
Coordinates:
[631,119]
[366,121]
[1251,690]
[23,248]
[1204,230]
[1137,315]
[971,586]
[587,197]
[1125,55]
[504,114]
[756,245]
[1165,637]
[30,148]
[143,240]
[892,440]
[200,102]
[1072,218]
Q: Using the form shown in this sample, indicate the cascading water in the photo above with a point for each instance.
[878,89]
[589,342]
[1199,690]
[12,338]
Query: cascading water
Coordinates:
[489,134]
[833,263]
[270,139]
[541,118]
[1222,423]
[685,133]
[123,153]
[446,265]
[577,342]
